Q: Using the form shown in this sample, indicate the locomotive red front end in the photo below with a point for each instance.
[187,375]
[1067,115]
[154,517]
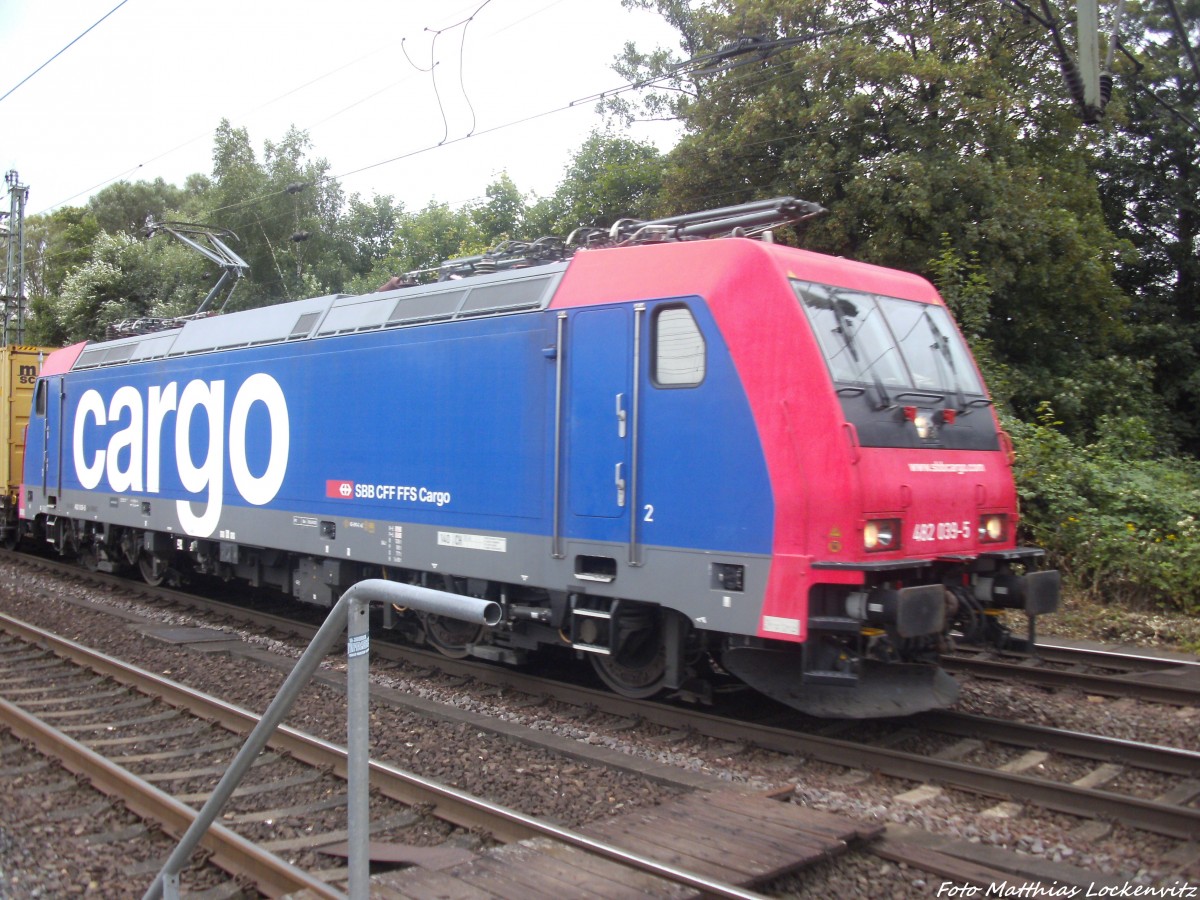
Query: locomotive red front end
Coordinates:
[895,506]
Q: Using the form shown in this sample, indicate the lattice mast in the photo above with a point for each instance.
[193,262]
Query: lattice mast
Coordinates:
[13,232]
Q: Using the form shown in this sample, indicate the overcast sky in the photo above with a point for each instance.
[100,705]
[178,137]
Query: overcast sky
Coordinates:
[140,95]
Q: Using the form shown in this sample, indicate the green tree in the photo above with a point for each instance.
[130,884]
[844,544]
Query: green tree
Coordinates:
[1148,169]
[365,232]
[124,278]
[1120,523]
[502,215]
[425,239]
[284,210]
[608,178]
[56,243]
[126,206]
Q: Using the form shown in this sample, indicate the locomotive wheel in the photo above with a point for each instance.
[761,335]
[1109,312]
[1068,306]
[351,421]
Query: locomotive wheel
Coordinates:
[451,637]
[152,573]
[637,667]
[89,556]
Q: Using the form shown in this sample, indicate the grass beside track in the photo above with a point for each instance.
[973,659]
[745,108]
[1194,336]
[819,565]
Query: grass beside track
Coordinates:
[1122,623]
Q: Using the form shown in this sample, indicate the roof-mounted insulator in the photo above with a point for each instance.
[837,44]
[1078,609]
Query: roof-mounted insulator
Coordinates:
[745,220]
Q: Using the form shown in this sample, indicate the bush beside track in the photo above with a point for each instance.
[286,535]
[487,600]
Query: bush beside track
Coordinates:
[1119,521]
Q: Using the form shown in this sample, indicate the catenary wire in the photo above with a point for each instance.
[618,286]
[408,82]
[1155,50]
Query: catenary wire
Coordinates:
[63,50]
[465,18]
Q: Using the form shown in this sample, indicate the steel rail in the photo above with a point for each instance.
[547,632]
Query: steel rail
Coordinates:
[1108,685]
[230,851]
[1161,818]
[1050,651]
[1156,757]
[1171,760]
[449,804]
[453,806]
[1180,822]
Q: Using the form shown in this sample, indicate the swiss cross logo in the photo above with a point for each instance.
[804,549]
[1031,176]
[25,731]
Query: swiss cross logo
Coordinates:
[342,490]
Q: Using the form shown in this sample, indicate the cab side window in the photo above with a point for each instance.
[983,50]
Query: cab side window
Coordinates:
[39,399]
[679,349]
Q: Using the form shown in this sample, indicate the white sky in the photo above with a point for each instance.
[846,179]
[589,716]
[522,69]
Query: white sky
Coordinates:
[140,95]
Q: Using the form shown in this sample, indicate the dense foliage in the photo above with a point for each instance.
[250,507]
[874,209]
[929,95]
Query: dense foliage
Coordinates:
[1121,523]
[942,140]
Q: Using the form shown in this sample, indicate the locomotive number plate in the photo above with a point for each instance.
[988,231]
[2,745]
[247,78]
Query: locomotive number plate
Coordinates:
[941,531]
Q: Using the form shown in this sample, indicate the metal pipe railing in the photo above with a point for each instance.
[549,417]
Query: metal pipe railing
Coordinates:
[350,613]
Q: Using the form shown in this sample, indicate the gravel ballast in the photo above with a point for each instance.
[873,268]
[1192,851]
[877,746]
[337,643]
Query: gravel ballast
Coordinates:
[545,784]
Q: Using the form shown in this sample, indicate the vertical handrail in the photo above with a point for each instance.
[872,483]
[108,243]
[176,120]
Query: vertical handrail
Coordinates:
[358,759]
[556,525]
[639,313]
[350,612]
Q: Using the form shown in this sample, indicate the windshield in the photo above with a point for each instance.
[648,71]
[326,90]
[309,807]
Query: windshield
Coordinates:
[892,344]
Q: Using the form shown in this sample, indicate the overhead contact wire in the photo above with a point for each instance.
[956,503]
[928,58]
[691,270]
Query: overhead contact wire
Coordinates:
[63,50]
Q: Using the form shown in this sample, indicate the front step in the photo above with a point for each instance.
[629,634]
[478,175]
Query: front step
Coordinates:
[591,629]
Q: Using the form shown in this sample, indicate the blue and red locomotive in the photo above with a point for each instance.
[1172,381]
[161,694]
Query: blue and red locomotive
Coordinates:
[670,454]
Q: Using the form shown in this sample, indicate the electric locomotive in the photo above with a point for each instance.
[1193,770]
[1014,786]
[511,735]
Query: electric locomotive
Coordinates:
[668,447]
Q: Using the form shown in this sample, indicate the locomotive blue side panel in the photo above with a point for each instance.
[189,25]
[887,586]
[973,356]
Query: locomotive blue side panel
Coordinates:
[703,479]
[44,437]
[411,425]
[598,441]
[432,447]
[699,480]
[454,425]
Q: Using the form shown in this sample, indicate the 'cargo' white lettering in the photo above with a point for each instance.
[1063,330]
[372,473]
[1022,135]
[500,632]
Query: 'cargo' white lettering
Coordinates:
[210,474]
[91,403]
[162,401]
[133,454]
[262,389]
[129,479]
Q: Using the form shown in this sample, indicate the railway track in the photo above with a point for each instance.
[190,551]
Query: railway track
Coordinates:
[1158,679]
[1145,786]
[1095,764]
[156,747]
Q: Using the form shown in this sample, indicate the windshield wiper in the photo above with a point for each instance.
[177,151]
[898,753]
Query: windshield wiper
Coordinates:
[946,358]
[844,328]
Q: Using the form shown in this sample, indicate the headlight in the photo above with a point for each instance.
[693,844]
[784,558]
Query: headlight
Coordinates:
[881,534]
[921,420]
[993,528]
